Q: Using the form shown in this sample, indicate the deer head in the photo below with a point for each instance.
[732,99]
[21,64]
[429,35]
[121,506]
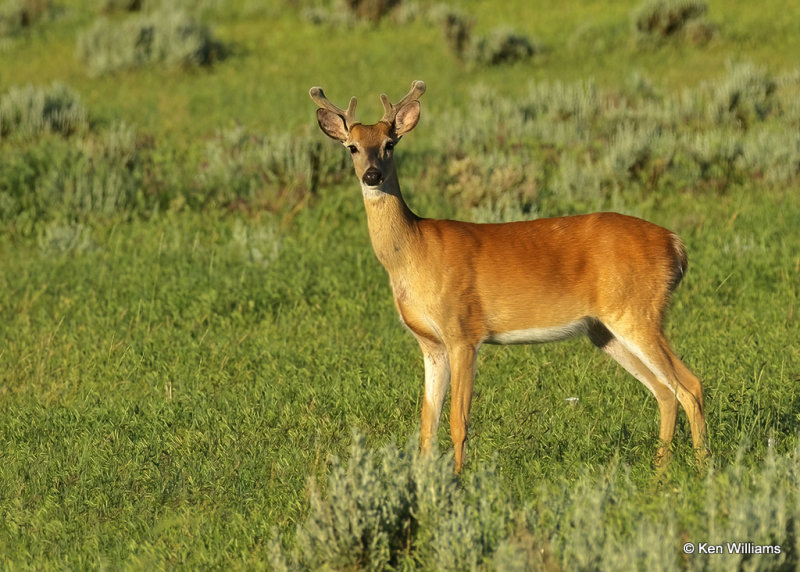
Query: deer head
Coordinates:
[371,146]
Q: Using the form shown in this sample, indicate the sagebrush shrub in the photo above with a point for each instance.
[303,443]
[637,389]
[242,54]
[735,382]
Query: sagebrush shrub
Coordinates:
[61,237]
[718,157]
[349,13]
[502,45]
[366,519]
[392,508]
[71,181]
[560,102]
[16,15]
[248,170]
[189,6]
[457,29]
[772,155]
[573,142]
[662,19]
[746,95]
[122,5]
[170,38]
[699,31]
[495,185]
[29,111]
[102,176]
[630,153]
[370,10]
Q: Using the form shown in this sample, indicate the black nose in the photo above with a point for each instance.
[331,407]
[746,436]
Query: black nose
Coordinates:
[372,177]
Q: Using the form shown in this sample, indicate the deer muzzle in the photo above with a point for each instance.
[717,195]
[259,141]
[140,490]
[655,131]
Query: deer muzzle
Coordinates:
[372,177]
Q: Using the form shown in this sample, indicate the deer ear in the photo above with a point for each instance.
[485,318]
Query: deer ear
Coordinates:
[406,118]
[332,124]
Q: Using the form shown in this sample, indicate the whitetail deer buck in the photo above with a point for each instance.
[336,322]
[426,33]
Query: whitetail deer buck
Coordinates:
[458,285]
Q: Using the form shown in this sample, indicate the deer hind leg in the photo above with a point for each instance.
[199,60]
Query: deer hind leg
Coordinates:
[462,364]
[437,380]
[667,400]
[653,351]
[649,358]
[696,409]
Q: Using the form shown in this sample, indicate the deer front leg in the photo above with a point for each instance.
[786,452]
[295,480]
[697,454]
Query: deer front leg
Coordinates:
[437,380]
[462,364]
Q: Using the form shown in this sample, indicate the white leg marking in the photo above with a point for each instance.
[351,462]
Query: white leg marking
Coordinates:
[620,357]
[437,380]
[657,372]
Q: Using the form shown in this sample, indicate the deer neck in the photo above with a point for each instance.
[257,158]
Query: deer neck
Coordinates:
[392,226]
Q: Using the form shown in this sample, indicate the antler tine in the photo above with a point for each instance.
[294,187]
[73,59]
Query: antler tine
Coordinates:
[390,111]
[349,114]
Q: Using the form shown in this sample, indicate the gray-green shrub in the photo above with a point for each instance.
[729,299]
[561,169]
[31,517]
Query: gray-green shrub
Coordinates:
[580,147]
[456,28]
[371,10]
[563,147]
[350,12]
[772,155]
[62,181]
[107,170]
[746,95]
[17,15]
[665,18]
[195,7]
[497,186]
[170,38]
[502,45]
[250,170]
[30,111]
[394,509]
[122,5]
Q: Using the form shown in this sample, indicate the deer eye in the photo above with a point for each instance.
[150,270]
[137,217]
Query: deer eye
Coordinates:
[389,146]
[353,149]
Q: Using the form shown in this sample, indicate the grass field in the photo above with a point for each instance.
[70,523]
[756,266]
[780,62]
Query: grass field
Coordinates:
[194,328]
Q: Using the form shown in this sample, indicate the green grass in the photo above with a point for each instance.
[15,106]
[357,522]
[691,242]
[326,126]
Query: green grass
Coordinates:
[174,367]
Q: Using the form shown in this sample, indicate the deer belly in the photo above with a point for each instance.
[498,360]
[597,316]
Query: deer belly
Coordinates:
[539,335]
